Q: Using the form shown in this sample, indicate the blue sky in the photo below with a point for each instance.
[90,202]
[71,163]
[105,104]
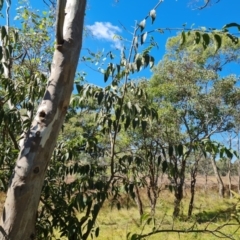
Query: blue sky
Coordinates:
[106,18]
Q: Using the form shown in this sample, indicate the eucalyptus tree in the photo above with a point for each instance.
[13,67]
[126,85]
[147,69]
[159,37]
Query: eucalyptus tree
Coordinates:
[187,83]
[38,141]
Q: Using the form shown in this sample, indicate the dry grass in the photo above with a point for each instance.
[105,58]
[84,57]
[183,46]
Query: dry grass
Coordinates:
[115,224]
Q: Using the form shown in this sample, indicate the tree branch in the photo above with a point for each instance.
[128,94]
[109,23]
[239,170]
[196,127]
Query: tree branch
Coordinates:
[205,5]
[216,232]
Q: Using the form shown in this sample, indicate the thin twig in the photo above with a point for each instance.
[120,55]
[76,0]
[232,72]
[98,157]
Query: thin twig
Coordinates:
[8,2]
[205,5]
[215,232]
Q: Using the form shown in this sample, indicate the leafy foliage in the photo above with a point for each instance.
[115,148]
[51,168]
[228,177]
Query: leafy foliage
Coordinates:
[208,38]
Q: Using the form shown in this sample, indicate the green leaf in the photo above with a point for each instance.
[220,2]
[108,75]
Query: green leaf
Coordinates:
[139,64]
[136,105]
[1,54]
[1,4]
[149,221]
[123,61]
[129,104]
[131,190]
[146,58]
[97,232]
[119,127]
[89,225]
[3,32]
[109,121]
[135,42]
[233,38]
[221,152]
[143,37]
[144,217]
[117,113]
[127,123]
[132,67]
[15,36]
[144,125]
[151,62]
[114,84]
[234,152]
[183,38]
[106,75]
[197,37]
[7,54]
[229,25]
[163,152]
[204,153]
[170,151]
[180,150]
[128,235]
[228,153]
[206,40]
[118,68]
[100,97]
[135,122]
[159,160]
[153,15]
[164,166]
[79,88]
[140,93]
[142,24]
[134,236]
[218,41]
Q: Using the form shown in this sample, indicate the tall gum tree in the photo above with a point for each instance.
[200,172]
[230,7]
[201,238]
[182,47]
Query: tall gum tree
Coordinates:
[20,208]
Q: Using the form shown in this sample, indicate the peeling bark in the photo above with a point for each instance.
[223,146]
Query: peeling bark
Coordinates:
[19,213]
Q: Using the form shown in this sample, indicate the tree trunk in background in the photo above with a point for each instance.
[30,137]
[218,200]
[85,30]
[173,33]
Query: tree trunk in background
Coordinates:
[19,213]
[239,176]
[178,188]
[192,187]
[177,201]
[139,201]
[229,178]
[206,182]
[221,188]
[229,169]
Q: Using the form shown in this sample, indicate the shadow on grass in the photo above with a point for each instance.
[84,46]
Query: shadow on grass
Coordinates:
[218,215]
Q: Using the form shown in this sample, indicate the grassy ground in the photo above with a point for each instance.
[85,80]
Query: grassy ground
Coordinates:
[208,207]
[115,224]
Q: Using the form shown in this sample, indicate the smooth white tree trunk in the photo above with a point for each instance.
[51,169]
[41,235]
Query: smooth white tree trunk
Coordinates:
[20,209]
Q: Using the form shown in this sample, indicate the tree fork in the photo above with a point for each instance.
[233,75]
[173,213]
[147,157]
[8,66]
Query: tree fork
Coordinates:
[24,190]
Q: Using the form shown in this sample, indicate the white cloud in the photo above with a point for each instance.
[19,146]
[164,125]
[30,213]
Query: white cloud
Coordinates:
[106,31]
